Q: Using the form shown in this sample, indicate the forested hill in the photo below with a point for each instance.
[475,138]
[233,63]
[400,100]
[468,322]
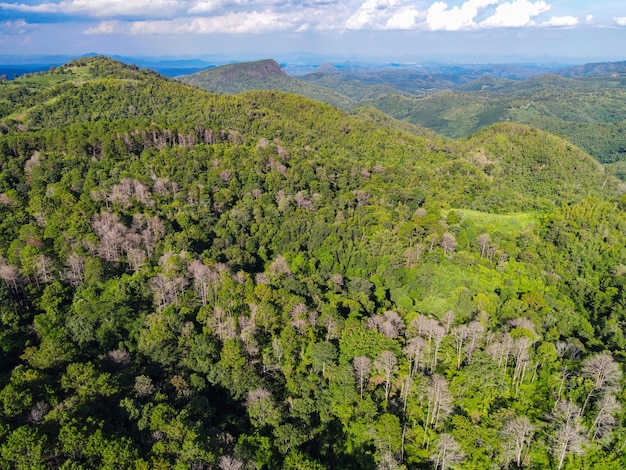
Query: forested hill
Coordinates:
[583,104]
[192,280]
[588,110]
[262,75]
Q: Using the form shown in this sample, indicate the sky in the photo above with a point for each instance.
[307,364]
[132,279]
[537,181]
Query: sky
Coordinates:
[394,30]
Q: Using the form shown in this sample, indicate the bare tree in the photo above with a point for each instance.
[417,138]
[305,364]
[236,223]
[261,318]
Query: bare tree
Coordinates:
[150,228]
[448,243]
[43,266]
[167,290]
[119,357]
[9,274]
[38,412]
[222,323]
[449,317]
[439,402]
[608,407]
[517,435]
[279,267]
[570,432]
[75,272]
[228,462]
[388,461]
[437,334]
[299,317]
[422,325]
[393,324]
[521,354]
[332,324]
[500,351]
[459,333]
[362,366]
[111,232]
[483,243]
[413,351]
[475,331]
[390,323]
[603,371]
[385,364]
[201,275]
[447,452]
[136,258]
[277,349]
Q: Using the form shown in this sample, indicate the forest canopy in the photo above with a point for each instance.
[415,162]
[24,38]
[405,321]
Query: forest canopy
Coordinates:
[192,280]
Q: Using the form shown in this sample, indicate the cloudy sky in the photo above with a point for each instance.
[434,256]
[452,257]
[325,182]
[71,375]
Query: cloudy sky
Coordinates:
[390,29]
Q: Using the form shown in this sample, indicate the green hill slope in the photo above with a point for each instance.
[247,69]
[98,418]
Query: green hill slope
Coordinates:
[193,280]
[590,113]
[261,75]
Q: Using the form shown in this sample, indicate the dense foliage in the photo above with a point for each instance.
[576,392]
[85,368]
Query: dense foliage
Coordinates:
[190,280]
[582,104]
[589,112]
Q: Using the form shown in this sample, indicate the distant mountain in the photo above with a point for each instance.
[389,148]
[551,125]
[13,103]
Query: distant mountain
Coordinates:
[261,75]
[596,69]
[13,66]
[327,67]
[14,71]
[414,78]
[588,111]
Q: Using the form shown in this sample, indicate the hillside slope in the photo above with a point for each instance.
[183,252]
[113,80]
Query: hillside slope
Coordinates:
[261,75]
[590,113]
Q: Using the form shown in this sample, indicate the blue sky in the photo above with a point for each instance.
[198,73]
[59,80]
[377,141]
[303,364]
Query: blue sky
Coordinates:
[388,29]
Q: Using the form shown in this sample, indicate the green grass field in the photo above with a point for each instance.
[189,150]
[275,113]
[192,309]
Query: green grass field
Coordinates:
[503,223]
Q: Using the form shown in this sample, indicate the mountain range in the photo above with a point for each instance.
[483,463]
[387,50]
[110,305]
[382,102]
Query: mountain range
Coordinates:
[583,104]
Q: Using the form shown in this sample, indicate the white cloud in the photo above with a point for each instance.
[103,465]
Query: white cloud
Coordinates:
[43,8]
[15,27]
[107,27]
[383,15]
[205,7]
[368,14]
[403,19]
[262,16]
[516,14]
[210,6]
[440,18]
[561,21]
[232,23]
[303,28]
[620,20]
[103,8]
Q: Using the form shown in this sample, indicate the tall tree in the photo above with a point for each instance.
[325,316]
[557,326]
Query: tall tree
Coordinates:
[385,364]
[517,435]
[603,372]
[362,366]
[570,434]
[447,452]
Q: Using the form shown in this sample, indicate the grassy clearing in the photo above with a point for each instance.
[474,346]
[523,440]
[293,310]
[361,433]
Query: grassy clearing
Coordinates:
[503,223]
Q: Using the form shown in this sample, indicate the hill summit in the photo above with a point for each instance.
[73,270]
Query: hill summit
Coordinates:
[261,75]
[261,70]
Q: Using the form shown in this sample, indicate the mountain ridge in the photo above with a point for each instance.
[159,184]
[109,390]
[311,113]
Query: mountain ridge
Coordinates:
[259,75]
